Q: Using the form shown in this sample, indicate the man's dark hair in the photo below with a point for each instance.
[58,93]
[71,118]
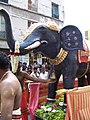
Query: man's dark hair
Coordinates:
[4,61]
[35,68]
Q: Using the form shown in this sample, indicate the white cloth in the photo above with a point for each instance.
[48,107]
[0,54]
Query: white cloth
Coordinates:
[34,74]
[44,75]
[17,113]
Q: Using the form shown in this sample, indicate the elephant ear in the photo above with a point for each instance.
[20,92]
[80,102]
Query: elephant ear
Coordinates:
[71,38]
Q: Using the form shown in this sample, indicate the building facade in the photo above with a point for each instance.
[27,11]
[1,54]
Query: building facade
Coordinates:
[25,12]
[87,35]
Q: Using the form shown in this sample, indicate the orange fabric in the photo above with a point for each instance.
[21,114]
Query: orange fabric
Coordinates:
[83,54]
[24,111]
[17,117]
[78,104]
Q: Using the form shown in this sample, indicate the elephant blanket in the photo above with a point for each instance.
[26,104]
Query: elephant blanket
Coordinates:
[84,55]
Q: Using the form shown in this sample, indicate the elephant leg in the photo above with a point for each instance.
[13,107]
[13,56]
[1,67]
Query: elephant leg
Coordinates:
[88,78]
[69,78]
[52,87]
[69,71]
[81,81]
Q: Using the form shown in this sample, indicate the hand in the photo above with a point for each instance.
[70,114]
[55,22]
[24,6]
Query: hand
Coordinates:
[51,80]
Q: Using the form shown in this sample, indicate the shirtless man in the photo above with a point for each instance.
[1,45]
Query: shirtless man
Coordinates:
[10,89]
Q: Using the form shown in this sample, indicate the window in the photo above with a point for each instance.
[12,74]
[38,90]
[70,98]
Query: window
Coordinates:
[30,23]
[86,35]
[55,10]
[6,1]
[29,4]
[2,27]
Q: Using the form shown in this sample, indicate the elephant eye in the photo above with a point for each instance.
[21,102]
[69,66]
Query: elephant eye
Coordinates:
[44,42]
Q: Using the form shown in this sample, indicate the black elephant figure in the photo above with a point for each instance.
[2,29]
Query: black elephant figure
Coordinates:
[60,46]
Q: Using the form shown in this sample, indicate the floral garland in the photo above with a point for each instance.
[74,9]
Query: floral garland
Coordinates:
[15,57]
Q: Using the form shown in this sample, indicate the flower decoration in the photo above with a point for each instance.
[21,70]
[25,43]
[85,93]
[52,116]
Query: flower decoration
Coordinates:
[52,111]
[61,103]
[49,109]
[15,57]
[54,105]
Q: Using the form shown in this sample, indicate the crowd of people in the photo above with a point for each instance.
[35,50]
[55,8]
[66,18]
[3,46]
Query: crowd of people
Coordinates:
[36,70]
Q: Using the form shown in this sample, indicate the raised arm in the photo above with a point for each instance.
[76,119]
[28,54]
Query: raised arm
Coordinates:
[34,79]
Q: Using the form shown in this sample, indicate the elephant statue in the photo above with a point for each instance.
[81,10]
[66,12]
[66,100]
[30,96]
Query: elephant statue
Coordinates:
[59,46]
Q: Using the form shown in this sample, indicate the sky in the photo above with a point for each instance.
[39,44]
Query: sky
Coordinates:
[77,12]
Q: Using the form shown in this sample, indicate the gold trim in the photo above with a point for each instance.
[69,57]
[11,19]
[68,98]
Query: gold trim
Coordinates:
[59,58]
[51,25]
[16,116]
[85,71]
[51,99]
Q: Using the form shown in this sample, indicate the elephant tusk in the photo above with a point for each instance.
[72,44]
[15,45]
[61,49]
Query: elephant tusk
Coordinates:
[1,8]
[34,45]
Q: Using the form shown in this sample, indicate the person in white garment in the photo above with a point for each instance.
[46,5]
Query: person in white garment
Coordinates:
[44,73]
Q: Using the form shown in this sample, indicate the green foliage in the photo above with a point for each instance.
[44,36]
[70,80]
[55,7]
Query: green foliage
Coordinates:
[52,111]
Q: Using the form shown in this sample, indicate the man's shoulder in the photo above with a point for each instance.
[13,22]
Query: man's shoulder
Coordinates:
[10,81]
[10,87]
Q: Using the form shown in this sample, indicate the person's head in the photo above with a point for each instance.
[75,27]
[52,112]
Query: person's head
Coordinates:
[43,69]
[24,64]
[47,68]
[29,69]
[4,61]
[19,64]
[35,69]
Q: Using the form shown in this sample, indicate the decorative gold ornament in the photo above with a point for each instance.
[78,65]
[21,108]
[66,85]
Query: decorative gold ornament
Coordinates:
[59,58]
[50,24]
[75,38]
[76,43]
[69,38]
[67,33]
[69,44]
[74,32]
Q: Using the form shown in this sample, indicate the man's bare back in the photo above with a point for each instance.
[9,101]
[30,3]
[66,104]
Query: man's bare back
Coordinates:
[10,87]
[10,90]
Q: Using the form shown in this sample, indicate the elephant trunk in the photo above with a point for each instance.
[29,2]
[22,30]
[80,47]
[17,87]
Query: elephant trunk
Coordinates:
[9,34]
[8,29]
